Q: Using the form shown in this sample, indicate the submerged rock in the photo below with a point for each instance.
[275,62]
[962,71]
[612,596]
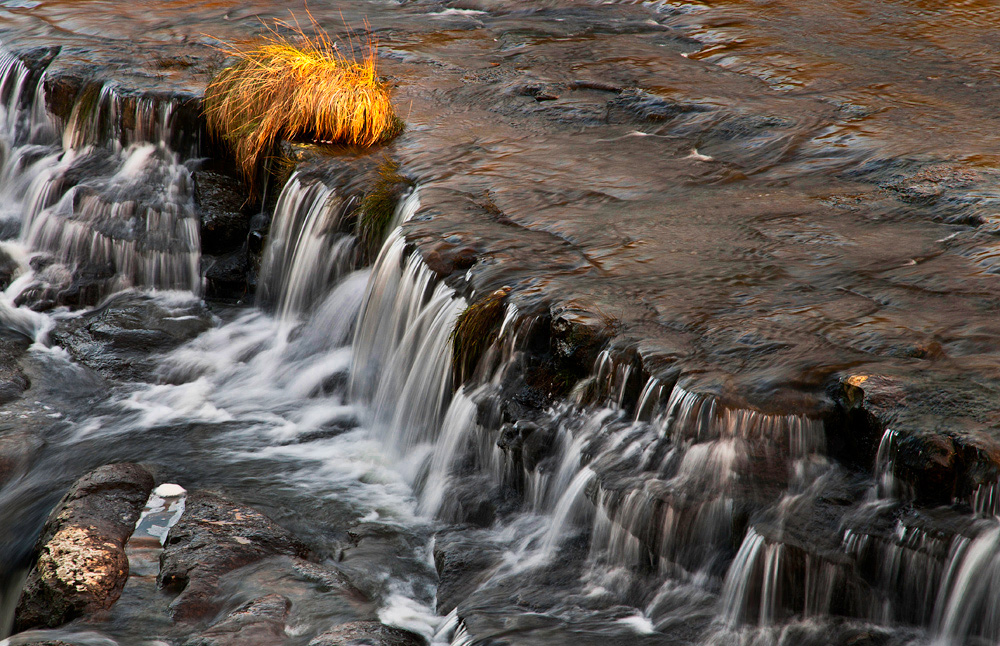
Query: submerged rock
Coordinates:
[13,381]
[367,633]
[260,622]
[462,565]
[213,537]
[17,449]
[81,566]
[117,338]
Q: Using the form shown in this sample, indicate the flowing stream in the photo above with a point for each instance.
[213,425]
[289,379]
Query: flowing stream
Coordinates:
[635,509]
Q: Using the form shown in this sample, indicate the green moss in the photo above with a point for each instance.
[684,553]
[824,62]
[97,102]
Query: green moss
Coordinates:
[375,212]
[476,329]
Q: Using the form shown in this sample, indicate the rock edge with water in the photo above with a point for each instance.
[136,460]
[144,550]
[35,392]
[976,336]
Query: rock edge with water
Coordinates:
[81,566]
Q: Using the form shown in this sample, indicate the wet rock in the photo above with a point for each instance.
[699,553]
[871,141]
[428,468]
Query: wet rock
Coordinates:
[260,622]
[213,537]
[527,443]
[222,203]
[81,566]
[635,104]
[54,285]
[462,565]
[929,462]
[117,338]
[227,276]
[61,91]
[13,381]
[867,405]
[9,268]
[367,633]
[17,449]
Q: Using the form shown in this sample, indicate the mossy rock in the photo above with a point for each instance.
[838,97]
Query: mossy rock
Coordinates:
[476,329]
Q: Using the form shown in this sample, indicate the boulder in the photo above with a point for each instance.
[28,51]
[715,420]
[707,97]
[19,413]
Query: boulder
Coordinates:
[117,338]
[213,537]
[227,276]
[367,633]
[81,566]
[222,202]
[463,564]
[260,622]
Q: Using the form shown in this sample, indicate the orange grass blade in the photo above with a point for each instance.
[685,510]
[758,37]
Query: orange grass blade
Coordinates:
[288,87]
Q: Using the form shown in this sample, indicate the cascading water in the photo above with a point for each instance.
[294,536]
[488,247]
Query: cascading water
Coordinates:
[107,206]
[682,512]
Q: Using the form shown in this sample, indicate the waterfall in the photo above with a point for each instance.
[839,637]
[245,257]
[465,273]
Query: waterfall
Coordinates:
[308,252]
[971,605]
[651,494]
[885,466]
[106,207]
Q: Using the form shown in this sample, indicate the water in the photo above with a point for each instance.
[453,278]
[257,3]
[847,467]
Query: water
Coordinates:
[747,199]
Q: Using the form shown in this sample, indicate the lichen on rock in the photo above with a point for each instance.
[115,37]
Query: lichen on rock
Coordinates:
[81,566]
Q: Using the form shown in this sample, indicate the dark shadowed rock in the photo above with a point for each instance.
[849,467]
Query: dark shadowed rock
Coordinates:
[929,461]
[116,338]
[367,633]
[81,566]
[9,268]
[260,622]
[222,202]
[13,381]
[227,276]
[462,565]
[213,537]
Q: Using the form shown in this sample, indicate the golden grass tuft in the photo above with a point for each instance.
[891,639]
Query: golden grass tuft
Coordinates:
[297,87]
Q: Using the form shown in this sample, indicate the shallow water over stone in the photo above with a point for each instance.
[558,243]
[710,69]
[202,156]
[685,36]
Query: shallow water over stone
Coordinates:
[752,288]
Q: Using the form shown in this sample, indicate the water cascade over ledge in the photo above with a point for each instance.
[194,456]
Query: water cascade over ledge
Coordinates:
[516,503]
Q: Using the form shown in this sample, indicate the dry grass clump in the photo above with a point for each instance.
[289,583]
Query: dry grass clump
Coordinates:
[298,87]
[476,329]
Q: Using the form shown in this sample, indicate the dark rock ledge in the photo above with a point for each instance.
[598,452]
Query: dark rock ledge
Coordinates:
[213,537]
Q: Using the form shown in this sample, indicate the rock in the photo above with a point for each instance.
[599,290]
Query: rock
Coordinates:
[61,91]
[929,463]
[213,537]
[9,269]
[462,565]
[260,622]
[13,381]
[81,566]
[367,633]
[221,201]
[117,338]
[639,105]
[17,448]
[227,276]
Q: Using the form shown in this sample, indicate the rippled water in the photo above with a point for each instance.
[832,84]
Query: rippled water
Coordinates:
[761,198]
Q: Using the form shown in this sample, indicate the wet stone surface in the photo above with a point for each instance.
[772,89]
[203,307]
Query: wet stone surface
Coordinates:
[116,338]
[745,200]
[81,565]
[371,633]
[260,622]
[215,537]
